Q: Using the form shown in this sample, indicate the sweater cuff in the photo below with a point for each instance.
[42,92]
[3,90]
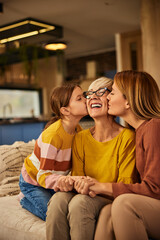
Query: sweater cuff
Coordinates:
[118,189]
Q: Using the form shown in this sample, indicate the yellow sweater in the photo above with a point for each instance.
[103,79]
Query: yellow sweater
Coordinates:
[111,161]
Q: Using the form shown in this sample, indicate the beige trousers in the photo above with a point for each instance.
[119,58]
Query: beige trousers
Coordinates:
[73,216]
[134,217]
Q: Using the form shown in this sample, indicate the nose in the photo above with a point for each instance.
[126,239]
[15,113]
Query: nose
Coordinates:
[93,96]
[108,96]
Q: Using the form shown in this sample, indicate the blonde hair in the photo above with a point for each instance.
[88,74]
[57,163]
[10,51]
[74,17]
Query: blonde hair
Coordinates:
[101,83]
[141,91]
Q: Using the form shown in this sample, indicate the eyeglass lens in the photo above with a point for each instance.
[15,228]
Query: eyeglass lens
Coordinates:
[99,92]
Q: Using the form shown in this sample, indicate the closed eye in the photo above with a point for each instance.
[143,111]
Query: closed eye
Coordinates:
[79,98]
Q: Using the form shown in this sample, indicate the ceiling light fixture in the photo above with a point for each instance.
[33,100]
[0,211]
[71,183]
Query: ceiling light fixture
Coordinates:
[27,28]
[56,46]
[1,7]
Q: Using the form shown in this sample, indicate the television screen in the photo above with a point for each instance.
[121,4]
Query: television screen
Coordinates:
[20,103]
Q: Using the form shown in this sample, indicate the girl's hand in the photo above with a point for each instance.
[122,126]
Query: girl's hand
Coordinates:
[64,184]
[82,185]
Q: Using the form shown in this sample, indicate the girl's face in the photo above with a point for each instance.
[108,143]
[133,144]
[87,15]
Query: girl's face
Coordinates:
[117,104]
[97,105]
[77,103]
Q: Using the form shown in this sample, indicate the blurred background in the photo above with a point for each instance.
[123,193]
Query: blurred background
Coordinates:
[99,38]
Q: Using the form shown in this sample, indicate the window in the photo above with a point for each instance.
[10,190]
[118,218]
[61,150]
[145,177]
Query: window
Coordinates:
[20,103]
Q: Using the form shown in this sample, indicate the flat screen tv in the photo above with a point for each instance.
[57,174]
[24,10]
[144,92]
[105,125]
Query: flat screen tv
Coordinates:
[20,103]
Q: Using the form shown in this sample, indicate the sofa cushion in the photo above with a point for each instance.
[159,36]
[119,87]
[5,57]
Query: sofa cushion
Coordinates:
[17,223]
[11,161]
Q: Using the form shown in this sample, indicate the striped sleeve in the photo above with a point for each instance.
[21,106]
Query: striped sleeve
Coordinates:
[50,160]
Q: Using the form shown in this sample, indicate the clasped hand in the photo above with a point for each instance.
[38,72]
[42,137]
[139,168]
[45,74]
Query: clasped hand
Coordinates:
[81,184]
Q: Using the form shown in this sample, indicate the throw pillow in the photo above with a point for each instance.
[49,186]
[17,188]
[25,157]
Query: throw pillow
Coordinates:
[11,161]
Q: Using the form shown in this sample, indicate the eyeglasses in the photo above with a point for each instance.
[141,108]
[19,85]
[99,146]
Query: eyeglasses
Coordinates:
[99,93]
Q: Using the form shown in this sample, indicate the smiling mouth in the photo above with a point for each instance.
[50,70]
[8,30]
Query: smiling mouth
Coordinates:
[96,105]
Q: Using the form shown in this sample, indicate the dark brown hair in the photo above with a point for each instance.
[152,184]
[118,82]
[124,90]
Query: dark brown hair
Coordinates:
[60,97]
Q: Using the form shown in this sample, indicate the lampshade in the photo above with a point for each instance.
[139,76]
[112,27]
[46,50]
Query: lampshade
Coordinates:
[56,46]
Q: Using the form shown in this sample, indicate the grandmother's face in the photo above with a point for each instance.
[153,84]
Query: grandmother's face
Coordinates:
[97,103]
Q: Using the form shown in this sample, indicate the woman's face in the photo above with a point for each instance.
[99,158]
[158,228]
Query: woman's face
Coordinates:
[97,106]
[77,103]
[117,104]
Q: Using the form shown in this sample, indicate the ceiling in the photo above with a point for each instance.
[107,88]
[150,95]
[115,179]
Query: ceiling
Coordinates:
[89,25]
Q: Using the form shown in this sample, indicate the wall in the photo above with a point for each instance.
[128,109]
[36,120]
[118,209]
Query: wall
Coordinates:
[48,77]
[77,67]
[150,25]
[129,51]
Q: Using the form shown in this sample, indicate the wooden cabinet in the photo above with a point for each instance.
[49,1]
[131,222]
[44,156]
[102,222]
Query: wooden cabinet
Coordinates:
[9,133]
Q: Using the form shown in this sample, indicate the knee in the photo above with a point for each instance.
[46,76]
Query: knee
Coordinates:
[56,205]
[105,212]
[121,204]
[78,203]
[56,199]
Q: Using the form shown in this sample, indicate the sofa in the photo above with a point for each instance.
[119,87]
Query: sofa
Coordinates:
[16,223]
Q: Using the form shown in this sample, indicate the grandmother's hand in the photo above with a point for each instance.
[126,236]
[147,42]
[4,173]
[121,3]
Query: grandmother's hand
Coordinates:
[82,184]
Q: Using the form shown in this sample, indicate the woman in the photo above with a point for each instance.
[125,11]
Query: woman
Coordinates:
[50,161]
[135,97]
[104,152]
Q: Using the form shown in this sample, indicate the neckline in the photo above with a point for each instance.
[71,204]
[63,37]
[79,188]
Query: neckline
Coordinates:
[108,140]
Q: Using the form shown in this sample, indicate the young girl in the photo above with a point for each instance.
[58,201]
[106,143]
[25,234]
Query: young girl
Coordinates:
[50,161]
[135,212]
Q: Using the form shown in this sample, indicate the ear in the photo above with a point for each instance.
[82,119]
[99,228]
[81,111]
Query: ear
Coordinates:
[64,111]
[127,105]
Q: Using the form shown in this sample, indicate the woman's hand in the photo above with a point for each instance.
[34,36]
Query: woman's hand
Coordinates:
[64,184]
[94,189]
[82,184]
[101,188]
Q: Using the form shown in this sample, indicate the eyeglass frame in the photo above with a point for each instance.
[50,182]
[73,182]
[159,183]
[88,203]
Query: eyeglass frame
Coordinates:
[95,92]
